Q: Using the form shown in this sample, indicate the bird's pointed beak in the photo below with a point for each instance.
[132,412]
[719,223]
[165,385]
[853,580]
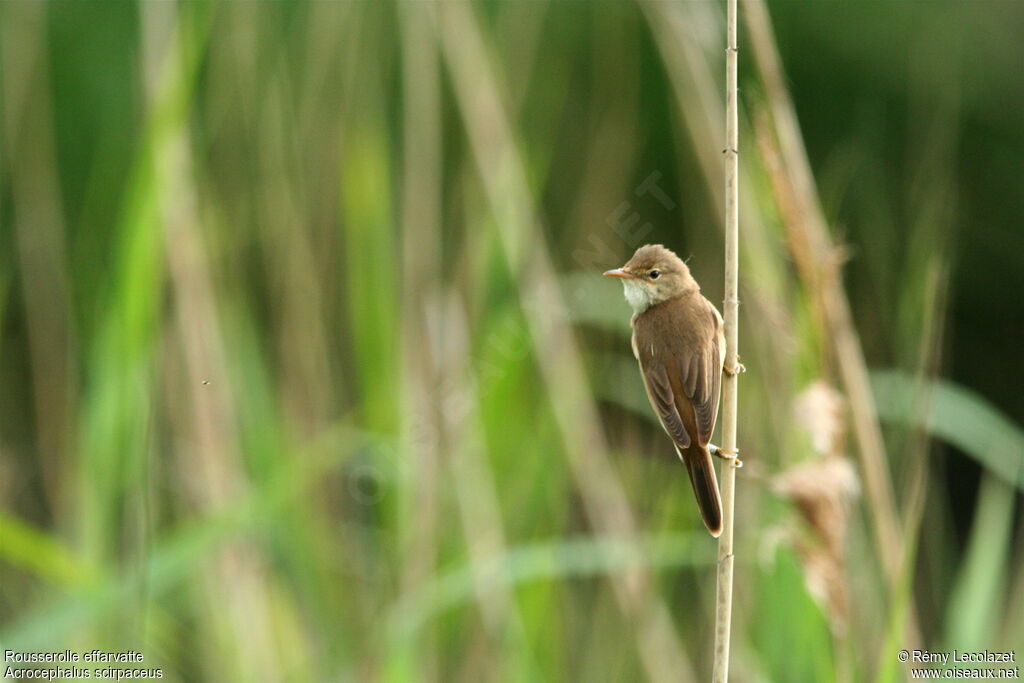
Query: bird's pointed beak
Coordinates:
[619,272]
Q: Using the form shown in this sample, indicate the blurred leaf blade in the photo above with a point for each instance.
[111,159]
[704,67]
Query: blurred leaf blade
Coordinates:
[981,584]
[957,415]
[22,545]
[558,560]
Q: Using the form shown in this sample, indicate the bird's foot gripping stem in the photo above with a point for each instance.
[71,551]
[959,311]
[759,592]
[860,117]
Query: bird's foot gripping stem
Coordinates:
[732,457]
[736,369]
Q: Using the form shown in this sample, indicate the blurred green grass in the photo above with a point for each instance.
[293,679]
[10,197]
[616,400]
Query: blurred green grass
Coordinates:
[306,372]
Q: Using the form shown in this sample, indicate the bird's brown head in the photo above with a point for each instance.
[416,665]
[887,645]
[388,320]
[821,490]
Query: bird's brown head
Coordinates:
[653,275]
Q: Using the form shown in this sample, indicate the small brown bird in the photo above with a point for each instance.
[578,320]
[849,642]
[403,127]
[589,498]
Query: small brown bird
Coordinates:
[679,340]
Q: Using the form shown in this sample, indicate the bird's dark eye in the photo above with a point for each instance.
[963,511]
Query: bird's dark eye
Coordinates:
[654,274]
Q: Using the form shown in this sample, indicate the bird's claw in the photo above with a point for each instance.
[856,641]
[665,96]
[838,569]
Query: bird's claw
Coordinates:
[732,457]
[734,370]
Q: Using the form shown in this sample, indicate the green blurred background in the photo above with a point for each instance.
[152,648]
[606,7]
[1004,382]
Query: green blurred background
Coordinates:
[307,373]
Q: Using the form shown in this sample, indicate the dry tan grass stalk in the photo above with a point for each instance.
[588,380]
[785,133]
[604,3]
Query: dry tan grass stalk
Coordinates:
[208,445]
[730,389]
[421,227]
[503,176]
[38,222]
[818,260]
[475,488]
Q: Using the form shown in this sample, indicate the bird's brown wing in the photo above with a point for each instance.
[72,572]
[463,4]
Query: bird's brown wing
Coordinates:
[700,375]
[659,391]
[681,362]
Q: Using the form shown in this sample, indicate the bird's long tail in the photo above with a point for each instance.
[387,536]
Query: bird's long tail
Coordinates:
[705,485]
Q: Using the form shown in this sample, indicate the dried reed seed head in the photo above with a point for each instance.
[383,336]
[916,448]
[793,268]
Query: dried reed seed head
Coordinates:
[821,410]
[826,583]
[823,492]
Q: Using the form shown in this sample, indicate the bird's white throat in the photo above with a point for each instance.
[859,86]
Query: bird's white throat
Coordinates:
[637,295]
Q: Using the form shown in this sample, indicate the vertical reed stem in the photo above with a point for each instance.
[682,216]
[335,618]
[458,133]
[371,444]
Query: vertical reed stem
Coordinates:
[723,603]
